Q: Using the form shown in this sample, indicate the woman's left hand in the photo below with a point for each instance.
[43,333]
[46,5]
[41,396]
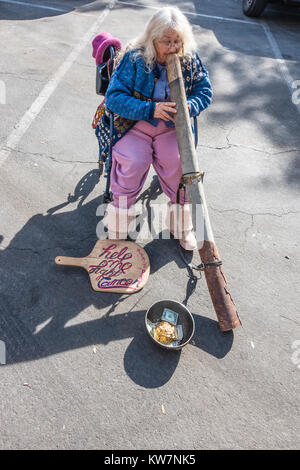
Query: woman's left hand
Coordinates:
[162,109]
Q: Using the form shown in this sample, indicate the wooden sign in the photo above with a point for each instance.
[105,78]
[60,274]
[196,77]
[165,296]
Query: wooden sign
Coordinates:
[113,266]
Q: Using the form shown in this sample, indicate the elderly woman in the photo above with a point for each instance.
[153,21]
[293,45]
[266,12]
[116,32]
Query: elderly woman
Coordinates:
[144,131]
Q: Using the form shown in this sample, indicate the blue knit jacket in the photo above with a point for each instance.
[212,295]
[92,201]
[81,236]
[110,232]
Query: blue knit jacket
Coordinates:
[129,95]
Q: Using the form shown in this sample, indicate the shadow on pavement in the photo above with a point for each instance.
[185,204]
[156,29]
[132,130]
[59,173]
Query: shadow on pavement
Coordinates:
[263,100]
[149,366]
[39,301]
[83,188]
[210,339]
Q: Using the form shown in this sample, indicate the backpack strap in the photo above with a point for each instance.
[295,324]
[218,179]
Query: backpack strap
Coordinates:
[107,195]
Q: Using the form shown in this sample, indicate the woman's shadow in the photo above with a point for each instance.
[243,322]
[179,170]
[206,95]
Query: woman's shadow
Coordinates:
[39,300]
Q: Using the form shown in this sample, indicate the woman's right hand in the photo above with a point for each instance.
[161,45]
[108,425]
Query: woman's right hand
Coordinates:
[163,108]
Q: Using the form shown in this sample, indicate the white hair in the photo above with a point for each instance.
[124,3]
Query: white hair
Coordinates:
[164,19]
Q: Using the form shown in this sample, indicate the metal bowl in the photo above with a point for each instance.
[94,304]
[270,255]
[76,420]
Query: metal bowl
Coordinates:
[185,319]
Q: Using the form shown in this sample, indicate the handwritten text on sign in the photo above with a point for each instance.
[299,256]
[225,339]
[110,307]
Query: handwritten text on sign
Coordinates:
[115,263]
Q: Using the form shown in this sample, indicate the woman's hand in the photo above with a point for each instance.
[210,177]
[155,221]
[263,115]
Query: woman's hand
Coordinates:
[163,108]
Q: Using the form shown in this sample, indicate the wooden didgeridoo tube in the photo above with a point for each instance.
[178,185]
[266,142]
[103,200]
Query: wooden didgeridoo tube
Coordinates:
[217,285]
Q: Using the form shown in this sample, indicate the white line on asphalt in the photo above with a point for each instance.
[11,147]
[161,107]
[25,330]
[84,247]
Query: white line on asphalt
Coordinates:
[280,60]
[223,18]
[36,107]
[46,7]
[278,56]
[43,7]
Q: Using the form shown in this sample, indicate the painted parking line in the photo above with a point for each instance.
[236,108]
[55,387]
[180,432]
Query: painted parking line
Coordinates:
[283,68]
[261,23]
[46,7]
[32,5]
[213,17]
[27,119]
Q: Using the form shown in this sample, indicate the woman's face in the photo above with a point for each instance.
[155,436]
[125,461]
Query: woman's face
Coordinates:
[169,43]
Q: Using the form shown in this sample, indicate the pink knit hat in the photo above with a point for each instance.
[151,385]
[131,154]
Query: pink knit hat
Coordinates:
[101,43]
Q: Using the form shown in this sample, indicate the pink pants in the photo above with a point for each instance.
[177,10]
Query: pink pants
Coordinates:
[132,156]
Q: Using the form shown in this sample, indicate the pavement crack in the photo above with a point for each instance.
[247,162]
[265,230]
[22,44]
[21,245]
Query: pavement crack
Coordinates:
[51,157]
[287,318]
[85,65]
[214,148]
[11,248]
[252,215]
[247,230]
[49,248]
[21,77]
[248,147]
[255,213]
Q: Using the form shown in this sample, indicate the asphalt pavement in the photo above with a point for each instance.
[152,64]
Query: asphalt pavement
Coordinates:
[77,369]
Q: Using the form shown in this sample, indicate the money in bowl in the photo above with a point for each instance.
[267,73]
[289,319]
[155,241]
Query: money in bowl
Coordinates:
[169,324]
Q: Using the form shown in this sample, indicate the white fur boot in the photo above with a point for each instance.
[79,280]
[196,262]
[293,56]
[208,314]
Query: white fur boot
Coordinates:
[118,221]
[180,224]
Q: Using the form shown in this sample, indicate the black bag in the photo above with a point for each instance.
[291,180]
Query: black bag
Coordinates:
[104,71]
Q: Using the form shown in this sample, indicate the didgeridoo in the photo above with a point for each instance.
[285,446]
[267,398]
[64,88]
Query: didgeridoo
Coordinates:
[211,264]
